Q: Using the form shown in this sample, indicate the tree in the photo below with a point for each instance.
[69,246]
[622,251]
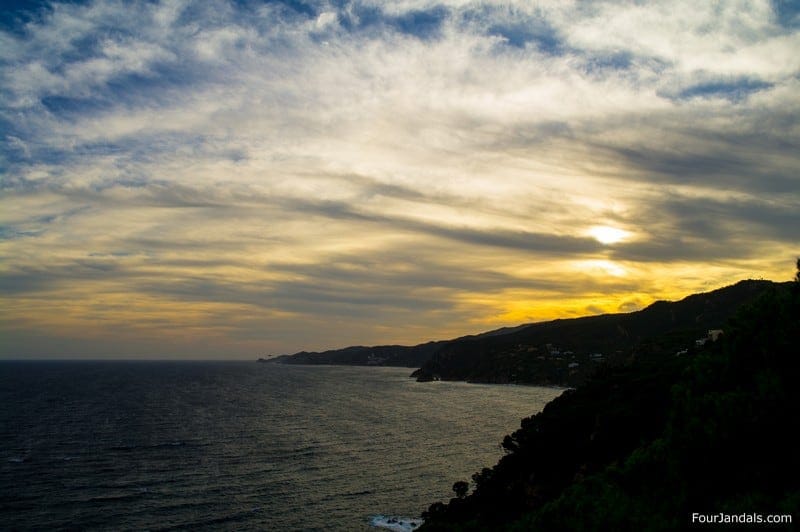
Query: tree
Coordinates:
[461,487]
[510,444]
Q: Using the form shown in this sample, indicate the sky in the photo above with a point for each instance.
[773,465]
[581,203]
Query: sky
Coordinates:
[228,180]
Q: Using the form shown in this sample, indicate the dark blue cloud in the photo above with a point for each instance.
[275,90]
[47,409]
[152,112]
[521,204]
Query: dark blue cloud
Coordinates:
[520,35]
[739,166]
[84,47]
[14,14]
[353,17]
[287,7]
[163,83]
[13,150]
[714,219]
[46,277]
[15,156]
[67,106]
[702,228]
[11,284]
[35,226]
[12,233]
[733,90]
[517,29]
[423,24]
[600,63]
[360,18]
[787,13]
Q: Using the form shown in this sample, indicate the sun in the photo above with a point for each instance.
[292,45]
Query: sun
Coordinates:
[608,235]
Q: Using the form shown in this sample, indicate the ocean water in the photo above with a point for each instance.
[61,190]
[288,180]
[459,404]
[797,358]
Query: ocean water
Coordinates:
[239,445]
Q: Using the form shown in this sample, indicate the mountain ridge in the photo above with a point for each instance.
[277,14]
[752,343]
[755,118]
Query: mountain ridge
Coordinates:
[563,351]
[566,351]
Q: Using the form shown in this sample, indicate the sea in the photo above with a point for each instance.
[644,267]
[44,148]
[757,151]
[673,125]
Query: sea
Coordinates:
[144,445]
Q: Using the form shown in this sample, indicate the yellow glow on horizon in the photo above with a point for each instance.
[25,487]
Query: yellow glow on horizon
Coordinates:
[530,311]
[604,286]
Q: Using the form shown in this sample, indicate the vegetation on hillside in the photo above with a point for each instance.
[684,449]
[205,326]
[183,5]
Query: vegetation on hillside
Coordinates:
[566,352]
[562,352]
[643,445]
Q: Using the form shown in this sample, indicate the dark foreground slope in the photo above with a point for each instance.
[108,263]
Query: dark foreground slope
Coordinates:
[645,445]
[561,352]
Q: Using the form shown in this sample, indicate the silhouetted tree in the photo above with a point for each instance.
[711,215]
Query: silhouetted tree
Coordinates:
[461,488]
[509,444]
[434,510]
[482,477]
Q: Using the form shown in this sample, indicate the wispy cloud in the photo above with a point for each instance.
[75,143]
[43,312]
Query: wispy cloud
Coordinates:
[235,177]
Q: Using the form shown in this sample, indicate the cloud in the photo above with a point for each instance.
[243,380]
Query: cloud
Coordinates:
[734,90]
[405,170]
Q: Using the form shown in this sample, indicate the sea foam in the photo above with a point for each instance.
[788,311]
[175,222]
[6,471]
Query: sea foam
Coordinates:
[400,524]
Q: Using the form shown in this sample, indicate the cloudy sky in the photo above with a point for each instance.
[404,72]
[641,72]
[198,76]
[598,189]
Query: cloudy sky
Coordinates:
[232,179]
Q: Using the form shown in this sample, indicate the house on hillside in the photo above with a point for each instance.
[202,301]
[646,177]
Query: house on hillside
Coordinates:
[712,336]
[553,350]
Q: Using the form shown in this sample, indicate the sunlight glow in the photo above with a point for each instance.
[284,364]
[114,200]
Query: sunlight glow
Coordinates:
[608,235]
[604,268]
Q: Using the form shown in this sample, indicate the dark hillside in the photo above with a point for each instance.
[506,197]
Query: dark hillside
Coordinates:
[643,445]
[560,352]
[382,355]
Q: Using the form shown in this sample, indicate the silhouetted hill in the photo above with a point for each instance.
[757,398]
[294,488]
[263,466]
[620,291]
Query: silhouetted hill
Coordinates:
[560,352]
[566,351]
[647,444]
[382,355]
